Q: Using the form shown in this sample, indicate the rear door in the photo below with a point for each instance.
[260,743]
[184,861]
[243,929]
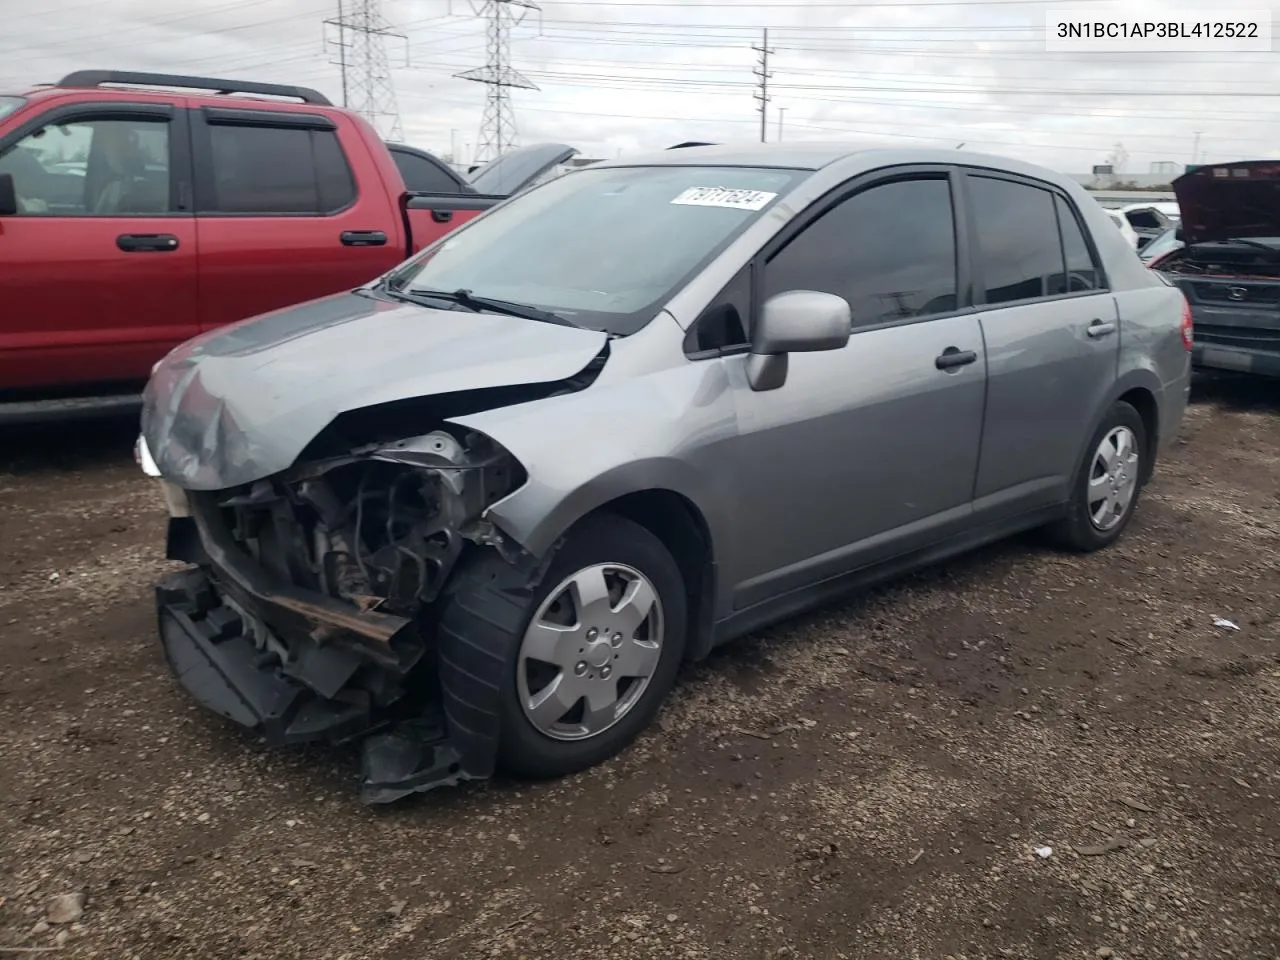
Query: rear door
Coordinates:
[1052,335]
[282,216]
[98,277]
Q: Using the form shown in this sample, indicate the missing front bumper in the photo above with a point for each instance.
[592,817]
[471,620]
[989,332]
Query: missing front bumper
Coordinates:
[330,691]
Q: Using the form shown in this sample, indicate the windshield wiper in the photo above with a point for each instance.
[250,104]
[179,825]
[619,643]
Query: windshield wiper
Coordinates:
[465,298]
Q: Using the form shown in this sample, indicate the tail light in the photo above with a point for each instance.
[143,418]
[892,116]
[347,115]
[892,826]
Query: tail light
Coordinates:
[1187,326]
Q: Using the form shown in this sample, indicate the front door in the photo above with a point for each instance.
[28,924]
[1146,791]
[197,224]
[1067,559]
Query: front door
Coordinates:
[1053,340]
[871,450]
[99,265]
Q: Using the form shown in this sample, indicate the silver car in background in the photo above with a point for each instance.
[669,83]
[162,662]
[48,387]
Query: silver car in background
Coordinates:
[477,513]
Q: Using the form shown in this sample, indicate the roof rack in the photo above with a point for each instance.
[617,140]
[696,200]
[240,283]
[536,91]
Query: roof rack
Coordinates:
[96,78]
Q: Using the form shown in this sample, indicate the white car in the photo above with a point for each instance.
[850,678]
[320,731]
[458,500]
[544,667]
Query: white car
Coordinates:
[1123,225]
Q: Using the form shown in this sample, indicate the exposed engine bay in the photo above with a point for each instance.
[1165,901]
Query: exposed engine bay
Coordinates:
[302,617]
[1224,261]
[381,528]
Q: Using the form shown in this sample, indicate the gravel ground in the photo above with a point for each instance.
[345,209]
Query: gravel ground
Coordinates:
[871,781]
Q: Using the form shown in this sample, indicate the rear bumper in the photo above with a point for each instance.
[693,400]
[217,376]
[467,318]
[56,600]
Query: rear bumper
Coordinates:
[1239,359]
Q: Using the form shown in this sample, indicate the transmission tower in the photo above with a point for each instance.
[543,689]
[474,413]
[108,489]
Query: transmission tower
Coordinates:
[763,73]
[366,72]
[498,127]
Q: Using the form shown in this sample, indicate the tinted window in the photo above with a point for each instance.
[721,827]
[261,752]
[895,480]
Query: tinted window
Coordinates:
[10,104]
[1082,272]
[889,251]
[1020,253]
[421,175]
[277,170]
[92,168]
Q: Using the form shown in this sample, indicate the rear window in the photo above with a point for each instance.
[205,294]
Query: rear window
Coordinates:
[9,104]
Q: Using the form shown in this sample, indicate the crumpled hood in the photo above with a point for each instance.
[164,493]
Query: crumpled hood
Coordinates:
[1227,201]
[242,402]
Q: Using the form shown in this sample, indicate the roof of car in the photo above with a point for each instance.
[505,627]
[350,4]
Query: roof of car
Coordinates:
[814,155]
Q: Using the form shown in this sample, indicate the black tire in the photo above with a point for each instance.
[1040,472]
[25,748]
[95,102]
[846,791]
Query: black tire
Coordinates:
[496,619]
[1076,531]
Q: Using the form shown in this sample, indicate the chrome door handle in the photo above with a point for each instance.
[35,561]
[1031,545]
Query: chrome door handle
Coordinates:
[1100,328]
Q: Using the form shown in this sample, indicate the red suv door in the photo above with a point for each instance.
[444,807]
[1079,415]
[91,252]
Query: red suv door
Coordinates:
[99,264]
[282,216]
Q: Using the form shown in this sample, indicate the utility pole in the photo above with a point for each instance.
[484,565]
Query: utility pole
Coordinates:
[366,73]
[763,73]
[498,126]
[782,112]
[1195,148]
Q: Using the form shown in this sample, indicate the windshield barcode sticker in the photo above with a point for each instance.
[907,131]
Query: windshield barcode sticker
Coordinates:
[723,197]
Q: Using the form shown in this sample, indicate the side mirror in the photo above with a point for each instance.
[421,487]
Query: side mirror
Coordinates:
[8,196]
[799,321]
[1177,234]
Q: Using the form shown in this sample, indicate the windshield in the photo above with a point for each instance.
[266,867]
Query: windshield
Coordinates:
[9,104]
[1164,243]
[602,247]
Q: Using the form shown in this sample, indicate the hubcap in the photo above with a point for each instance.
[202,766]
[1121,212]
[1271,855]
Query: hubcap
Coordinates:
[589,651]
[1113,478]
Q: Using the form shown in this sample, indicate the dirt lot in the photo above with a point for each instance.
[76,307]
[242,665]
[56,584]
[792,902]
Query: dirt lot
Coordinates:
[868,782]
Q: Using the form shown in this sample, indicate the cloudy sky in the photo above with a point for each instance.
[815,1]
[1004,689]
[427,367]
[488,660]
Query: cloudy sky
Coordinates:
[616,76]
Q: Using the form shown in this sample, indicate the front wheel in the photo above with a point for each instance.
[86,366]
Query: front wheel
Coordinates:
[598,650]
[1107,485]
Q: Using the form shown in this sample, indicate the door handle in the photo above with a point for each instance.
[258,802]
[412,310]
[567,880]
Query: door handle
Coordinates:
[147,242]
[363,238]
[1100,328]
[441,216]
[954,357]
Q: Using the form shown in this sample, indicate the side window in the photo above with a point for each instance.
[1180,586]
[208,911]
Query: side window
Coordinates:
[722,326]
[86,167]
[890,251]
[1082,271]
[421,175]
[1018,246]
[280,170]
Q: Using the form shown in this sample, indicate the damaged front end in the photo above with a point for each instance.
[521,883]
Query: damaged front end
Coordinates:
[308,613]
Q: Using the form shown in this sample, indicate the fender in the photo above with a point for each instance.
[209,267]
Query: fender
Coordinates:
[584,449]
[1144,378]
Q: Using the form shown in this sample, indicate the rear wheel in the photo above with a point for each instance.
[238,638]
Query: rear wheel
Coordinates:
[1108,483]
[599,649]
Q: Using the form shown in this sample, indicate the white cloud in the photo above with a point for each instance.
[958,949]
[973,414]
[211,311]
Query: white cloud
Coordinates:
[623,75]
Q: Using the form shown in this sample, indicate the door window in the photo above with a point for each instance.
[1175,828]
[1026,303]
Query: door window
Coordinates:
[889,250]
[111,168]
[1082,272]
[420,175]
[277,170]
[1019,249]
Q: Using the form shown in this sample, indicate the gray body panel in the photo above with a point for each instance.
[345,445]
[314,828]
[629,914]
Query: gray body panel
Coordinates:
[243,402]
[864,455]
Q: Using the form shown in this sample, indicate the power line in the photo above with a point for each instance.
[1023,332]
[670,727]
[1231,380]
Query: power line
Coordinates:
[366,72]
[763,73]
[498,127]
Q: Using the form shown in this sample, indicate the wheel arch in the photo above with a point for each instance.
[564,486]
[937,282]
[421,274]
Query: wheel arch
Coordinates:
[676,520]
[1140,388]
